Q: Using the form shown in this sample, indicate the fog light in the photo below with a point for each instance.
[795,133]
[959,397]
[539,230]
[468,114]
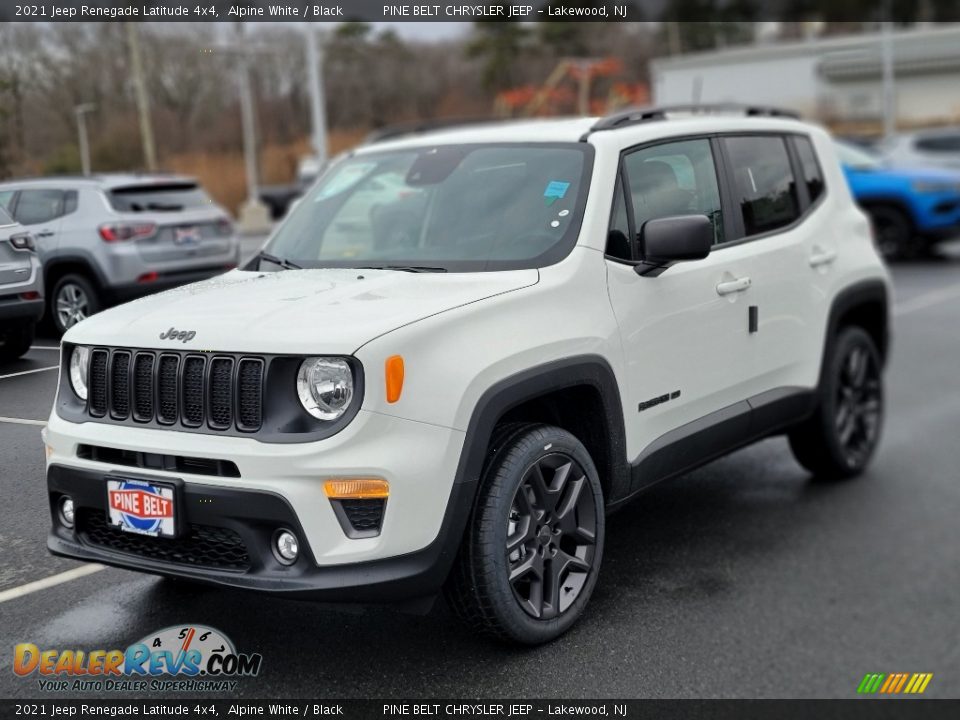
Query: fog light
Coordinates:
[66,511]
[286,547]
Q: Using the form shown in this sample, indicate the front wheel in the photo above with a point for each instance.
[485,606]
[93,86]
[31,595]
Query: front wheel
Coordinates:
[841,437]
[534,542]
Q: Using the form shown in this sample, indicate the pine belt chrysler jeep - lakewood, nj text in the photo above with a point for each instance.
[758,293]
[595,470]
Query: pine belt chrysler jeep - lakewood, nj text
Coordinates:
[463,348]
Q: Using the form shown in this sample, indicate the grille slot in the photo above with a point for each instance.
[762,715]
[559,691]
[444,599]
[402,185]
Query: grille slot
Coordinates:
[250,394]
[143,387]
[199,546]
[167,403]
[192,386]
[221,393]
[120,384]
[97,391]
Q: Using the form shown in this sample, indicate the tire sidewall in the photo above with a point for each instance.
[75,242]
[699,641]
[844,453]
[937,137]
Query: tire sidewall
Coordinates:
[491,525]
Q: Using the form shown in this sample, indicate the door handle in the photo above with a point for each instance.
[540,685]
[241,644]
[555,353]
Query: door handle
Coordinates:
[820,258]
[43,233]
[733,286]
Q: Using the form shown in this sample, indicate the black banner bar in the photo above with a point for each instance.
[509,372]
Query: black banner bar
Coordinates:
[466,11]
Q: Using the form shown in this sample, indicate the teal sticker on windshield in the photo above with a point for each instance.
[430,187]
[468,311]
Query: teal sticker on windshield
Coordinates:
[555,191]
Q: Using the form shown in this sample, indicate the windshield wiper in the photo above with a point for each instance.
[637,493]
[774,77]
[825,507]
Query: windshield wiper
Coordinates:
[285,264]
[406,268]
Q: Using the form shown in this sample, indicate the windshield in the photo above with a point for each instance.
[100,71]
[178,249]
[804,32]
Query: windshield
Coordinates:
[856,158]
[449,207]
[158,197]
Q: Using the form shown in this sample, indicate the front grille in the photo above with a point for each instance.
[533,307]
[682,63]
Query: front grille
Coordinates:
[220,391]
[199,546]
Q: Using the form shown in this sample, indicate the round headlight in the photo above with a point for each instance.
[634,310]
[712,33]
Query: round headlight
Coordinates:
[325,387]
[79,362]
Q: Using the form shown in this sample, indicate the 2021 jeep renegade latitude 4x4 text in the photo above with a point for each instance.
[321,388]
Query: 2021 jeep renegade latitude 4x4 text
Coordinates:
[463,348]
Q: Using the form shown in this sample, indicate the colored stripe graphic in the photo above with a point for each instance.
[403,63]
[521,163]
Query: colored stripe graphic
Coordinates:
[894,683]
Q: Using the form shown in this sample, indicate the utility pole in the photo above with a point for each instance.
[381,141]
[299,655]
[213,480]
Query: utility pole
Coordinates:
[318,119]
[889,87]
[254,216]
[81,111]
[143,101]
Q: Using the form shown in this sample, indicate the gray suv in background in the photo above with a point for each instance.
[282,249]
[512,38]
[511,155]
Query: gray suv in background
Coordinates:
[21,288]
[110,238]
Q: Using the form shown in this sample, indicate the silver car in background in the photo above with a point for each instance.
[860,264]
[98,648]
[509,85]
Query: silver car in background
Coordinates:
[922,149]
[21,289]
[110,238]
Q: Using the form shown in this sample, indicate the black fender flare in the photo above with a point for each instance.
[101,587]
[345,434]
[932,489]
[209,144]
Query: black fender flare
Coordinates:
[867,292]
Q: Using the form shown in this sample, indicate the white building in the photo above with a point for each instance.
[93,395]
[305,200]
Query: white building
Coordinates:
[834,79]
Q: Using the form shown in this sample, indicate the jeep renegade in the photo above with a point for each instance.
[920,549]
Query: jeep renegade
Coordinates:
[463,348]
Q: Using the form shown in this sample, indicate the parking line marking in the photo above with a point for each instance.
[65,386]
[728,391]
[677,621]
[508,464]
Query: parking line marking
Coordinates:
[22,421]
[27,372]
[48,582]
[926,300]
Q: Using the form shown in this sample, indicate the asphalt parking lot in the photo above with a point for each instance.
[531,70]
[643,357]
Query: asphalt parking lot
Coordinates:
[743,579]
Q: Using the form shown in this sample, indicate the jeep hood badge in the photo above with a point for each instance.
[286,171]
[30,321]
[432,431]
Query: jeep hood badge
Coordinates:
[182,335]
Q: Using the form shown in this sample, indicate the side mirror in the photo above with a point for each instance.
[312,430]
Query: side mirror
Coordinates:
[669,240]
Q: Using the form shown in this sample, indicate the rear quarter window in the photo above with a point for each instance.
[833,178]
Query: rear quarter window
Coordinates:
[764,187]
[812,174]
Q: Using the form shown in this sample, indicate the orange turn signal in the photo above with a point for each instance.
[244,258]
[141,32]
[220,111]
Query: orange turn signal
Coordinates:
[356,489]
[394,373]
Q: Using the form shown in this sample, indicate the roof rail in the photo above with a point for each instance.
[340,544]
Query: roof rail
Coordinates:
[393,132]
[635,116]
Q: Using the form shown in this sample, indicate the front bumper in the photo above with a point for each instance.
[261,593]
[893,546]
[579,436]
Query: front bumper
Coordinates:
[242,523]
[420,461]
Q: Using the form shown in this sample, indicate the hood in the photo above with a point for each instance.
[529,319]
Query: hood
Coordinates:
[326,311]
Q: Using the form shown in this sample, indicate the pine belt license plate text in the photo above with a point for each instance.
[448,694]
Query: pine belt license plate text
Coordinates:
[141,507]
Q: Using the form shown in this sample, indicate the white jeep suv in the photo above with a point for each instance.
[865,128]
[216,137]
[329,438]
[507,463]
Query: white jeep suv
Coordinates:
[463,348]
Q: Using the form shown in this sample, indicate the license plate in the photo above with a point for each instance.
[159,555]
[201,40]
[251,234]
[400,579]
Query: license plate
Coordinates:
[186,236]
[138,506]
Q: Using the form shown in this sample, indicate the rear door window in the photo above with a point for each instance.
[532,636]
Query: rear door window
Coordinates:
[158,197]
[763,184]
[39,206]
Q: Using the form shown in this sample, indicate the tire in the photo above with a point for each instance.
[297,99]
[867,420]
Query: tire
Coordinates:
[539,488]
[839,440]
[73,299]
[16,341]
[894,233]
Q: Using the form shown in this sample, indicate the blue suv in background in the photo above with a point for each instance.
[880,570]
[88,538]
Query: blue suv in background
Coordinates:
[911,210]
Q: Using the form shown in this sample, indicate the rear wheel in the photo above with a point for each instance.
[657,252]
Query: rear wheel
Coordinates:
[16,341]
[841,437]
[534,542]
[73,299]
[894,233]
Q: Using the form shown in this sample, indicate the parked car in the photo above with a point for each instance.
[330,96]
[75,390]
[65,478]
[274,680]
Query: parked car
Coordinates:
[111,238]
[922,149]
[911,210]
[279,198]
[565,313]
[21,288]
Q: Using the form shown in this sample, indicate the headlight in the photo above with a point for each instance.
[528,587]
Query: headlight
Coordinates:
[325,387]
[79,363]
